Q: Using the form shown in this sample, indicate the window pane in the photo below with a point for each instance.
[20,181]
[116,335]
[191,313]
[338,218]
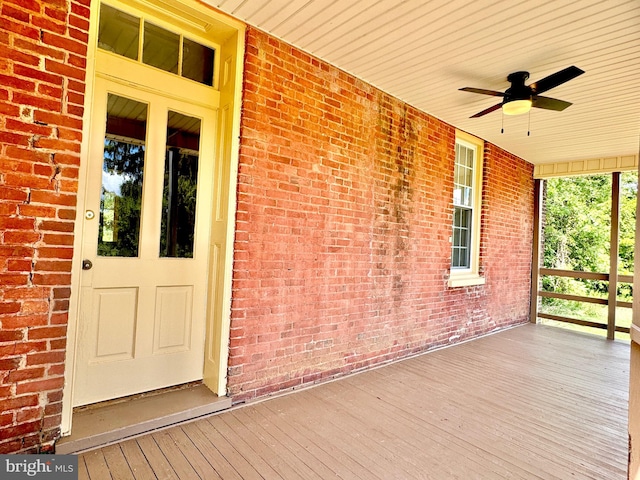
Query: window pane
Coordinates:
[455,257]
[180,186]
[468,177]
[122,172]
[118,32]
[457,195]
[465,221]
[464,258]
[161,48]
[457,212]
[466,197]
[469,162]
[197,62]
[456,236]
[462,156]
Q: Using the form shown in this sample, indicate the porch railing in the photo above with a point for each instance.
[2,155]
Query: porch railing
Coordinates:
[580,298]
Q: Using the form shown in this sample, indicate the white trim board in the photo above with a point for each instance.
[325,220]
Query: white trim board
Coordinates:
[592,166]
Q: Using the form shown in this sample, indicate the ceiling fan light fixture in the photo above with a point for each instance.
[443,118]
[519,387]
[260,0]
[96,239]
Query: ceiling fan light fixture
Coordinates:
[516,107]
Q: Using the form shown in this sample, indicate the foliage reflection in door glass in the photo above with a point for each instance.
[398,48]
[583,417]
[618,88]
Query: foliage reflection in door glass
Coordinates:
[180,186]
[122,176]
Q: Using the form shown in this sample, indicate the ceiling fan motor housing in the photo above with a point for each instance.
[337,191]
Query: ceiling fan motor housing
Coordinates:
[518,90]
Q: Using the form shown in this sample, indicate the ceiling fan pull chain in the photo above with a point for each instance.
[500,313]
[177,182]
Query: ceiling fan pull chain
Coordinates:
[529,125]
[502,129]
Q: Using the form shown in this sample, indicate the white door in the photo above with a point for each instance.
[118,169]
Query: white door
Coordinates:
[145,247]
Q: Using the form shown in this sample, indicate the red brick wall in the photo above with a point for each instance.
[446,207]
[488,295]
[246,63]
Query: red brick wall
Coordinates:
[42,71]
[344,216]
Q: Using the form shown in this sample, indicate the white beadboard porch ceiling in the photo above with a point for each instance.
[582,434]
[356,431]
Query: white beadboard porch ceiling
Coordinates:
[423,51]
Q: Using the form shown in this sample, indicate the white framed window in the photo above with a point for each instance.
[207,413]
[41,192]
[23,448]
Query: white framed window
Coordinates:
[467,203]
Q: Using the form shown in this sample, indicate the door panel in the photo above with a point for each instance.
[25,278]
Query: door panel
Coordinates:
[172,319]
[143,301]
[114,313]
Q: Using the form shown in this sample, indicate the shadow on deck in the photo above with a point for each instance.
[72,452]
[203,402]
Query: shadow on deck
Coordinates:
[532,402]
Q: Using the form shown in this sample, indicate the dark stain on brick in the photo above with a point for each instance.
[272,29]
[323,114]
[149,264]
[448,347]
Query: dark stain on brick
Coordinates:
[396,147]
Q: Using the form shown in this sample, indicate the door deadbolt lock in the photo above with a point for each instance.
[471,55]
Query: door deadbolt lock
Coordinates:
[86,264]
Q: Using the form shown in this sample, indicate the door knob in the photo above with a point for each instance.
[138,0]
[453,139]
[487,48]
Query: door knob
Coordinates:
[86,264]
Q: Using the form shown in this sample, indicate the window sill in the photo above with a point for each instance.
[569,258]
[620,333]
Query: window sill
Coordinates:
[465,280]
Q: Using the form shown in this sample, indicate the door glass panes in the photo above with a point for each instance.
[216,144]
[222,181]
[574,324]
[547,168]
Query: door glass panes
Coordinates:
[161,48]
[197,62]
[119,32]
[122,171]
[180,186]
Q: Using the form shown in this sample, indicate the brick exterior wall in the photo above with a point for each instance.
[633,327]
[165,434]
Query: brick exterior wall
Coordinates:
[42,73]
[344,216]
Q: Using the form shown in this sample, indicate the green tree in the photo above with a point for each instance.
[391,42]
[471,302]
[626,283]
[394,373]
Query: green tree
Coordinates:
[628,194]
[577,231]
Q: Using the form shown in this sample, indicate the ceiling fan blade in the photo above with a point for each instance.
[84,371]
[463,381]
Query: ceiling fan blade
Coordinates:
[555,79]
[550,103]
[486,110]
[482,91]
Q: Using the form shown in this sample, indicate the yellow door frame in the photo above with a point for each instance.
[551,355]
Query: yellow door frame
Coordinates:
[196,19]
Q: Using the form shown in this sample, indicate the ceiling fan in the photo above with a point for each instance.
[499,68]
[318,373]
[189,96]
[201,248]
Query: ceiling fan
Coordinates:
[519,98]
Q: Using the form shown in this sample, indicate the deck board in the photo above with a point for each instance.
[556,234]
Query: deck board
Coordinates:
[97,465]
[532,402]
[117,463]
[215,458]
[300,455]
[83,474]
[312,440]
[196,459]
[239,463]
[136,460]
[161,465]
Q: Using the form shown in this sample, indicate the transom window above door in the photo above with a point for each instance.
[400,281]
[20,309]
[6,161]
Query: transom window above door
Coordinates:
[144,41]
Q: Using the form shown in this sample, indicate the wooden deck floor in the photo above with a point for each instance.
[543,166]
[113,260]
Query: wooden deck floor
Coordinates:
[533,402]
